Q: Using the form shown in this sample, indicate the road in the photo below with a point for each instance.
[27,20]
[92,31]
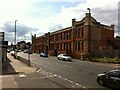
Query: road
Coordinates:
[82,73]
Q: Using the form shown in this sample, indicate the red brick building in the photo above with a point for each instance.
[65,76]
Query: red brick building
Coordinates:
[74,40]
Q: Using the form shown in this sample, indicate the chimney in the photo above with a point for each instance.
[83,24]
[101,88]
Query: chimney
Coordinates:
[87,14]
[113,26]
[73,21]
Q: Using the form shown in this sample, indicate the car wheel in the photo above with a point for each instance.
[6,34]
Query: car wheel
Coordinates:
[58,58]
[64,59]
[100,82]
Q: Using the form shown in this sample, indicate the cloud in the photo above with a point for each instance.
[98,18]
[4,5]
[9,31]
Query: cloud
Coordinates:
[55,27]
[44,18]
[21,30]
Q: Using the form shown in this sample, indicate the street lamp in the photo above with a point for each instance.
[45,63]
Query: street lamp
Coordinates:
[15,31]
[15,40]
[89,32]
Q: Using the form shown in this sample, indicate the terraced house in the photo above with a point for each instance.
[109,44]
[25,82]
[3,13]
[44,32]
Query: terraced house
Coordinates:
[77,40]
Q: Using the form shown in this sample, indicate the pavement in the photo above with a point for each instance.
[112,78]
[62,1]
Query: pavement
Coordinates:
[15,67]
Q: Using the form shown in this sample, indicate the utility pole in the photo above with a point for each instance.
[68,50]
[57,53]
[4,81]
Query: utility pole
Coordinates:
[15,40]
[89,37]
[15,31]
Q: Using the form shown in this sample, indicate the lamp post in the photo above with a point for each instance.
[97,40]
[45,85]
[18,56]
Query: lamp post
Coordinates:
[89,37]
[15,39]
[15,31]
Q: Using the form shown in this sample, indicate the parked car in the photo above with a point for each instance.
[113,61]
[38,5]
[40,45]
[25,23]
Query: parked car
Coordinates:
[8,50]
[13,53]
[64,57]
[110,79]
[25,50]
[43,54]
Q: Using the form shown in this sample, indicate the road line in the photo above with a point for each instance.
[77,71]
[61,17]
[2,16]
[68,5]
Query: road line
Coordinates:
[65,78]
[71,81]
[43,77]
[77,84]
[55,75]
[60,76]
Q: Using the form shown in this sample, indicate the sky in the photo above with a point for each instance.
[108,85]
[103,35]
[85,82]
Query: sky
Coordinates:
[42,16]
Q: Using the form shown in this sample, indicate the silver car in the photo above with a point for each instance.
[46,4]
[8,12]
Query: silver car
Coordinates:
[64,57]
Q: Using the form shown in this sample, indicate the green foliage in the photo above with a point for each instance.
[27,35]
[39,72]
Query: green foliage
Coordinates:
[107,60]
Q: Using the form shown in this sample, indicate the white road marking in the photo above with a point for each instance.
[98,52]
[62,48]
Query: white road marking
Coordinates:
[77,84]
[22,76]
[59,76]
[43,77]
[54,75]
[65,78]
[71,81]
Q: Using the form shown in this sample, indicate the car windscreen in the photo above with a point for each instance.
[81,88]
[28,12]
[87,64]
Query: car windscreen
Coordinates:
[65,55]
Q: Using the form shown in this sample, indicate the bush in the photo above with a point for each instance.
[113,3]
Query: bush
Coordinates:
[107,60]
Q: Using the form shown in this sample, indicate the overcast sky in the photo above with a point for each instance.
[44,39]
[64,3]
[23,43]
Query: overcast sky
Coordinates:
[41,16]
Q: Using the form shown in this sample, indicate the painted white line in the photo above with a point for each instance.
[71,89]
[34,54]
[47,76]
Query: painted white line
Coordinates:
[71,81]
[22,76]
[60,76]
[77,84]
[65,78]
[43,77]
[84,87]
[80,85]
[55,75]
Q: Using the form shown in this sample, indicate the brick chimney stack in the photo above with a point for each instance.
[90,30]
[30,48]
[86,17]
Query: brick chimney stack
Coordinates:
[73,21]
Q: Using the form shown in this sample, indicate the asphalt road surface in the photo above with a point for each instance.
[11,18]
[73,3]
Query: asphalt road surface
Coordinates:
[81,73]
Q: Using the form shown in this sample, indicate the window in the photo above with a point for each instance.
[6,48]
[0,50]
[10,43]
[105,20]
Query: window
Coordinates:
[75,45]
[114,74]
[82,32]
[66,35]
[82,45]
[70,34]
[56,37]
[67,46]
[60,46]
[78,45]
[78,32]
[61,36]
[70,46]
[75,33]
[57,46]
[52,46]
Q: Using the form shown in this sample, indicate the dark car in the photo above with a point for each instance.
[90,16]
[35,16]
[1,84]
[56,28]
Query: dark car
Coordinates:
[43,54]
[110,79]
